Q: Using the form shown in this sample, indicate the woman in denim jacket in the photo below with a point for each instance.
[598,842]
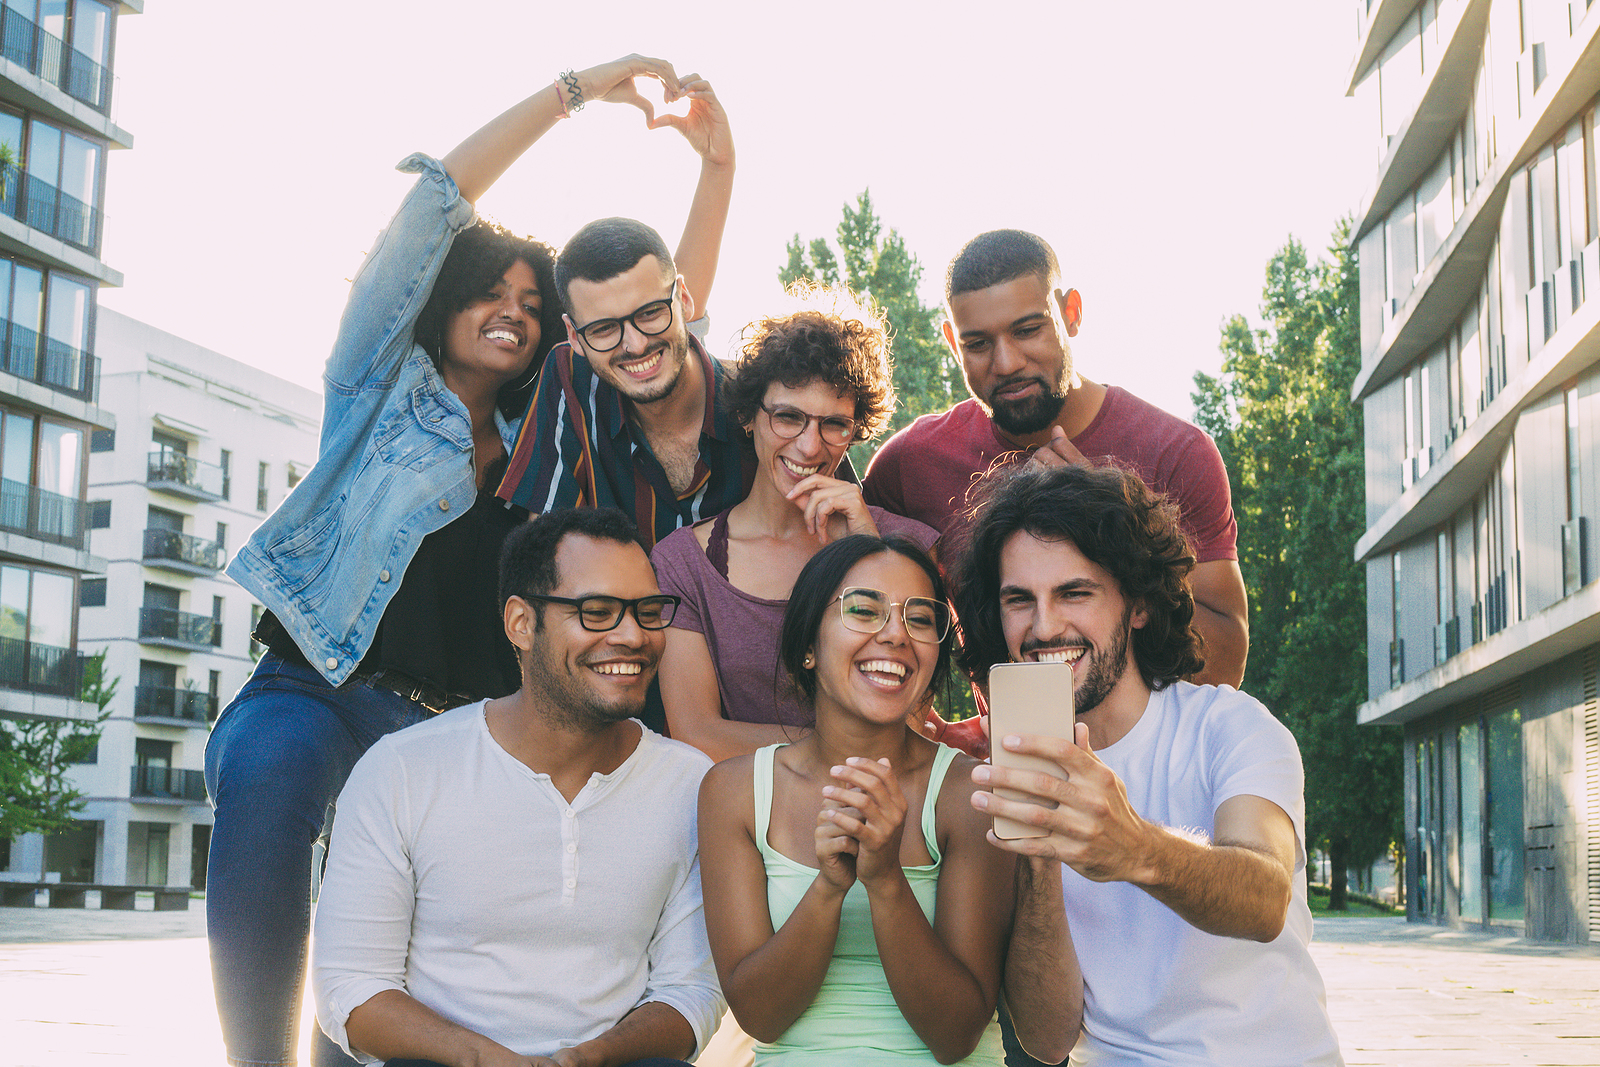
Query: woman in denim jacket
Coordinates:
[378,571]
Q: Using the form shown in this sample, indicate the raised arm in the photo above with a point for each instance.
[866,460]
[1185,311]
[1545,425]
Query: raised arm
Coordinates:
[1043,983]
[478,162]
[706,129]
[693,702]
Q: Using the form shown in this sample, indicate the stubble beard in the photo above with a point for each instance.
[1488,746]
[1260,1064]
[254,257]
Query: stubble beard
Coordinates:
[674,354]
[1106,668]
[566,701]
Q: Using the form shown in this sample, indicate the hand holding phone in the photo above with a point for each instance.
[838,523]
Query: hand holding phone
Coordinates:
[1028,698]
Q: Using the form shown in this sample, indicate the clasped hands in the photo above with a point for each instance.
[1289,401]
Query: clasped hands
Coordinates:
[859,826]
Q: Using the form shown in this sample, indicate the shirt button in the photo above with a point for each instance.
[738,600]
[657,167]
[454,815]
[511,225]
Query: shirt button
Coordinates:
[572,883]
[569,813]
[436,418]
[332,663]
[444,505]
[572,848]
[383,576]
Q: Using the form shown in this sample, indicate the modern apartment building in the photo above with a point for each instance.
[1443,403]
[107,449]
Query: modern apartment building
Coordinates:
[57,124]
[204,448]
[1479,244]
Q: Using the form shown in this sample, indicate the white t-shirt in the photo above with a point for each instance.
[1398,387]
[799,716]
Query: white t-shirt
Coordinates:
[1156,989]
[458,875]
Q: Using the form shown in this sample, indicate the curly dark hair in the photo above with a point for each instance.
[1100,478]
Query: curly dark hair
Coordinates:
[831,337]
[818,587]
[1118,524]
[478,258]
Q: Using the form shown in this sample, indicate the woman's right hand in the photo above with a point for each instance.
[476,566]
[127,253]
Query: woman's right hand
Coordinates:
[613,82]
[836,849]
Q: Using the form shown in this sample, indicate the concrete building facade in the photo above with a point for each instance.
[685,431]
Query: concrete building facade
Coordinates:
[1479,245]
[57,124]
[204,448]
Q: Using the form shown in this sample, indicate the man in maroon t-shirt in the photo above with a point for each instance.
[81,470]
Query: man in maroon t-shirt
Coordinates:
[1009,325]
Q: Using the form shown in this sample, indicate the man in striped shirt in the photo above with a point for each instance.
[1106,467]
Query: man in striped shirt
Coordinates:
[626,413]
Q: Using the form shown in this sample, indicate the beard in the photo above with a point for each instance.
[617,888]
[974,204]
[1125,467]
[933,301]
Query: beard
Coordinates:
[674,354]
[1030,415]
[572,704]
[1106,666]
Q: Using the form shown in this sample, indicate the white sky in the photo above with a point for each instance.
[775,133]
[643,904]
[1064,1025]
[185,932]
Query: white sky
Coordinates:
[1165,148]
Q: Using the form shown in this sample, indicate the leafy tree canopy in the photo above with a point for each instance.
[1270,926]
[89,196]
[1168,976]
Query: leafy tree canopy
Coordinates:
[1281,415]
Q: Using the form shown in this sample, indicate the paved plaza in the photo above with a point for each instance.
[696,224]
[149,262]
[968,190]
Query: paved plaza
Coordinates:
[81,988]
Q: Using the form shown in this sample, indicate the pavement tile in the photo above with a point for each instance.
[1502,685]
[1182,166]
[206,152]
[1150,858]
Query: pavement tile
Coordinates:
[107,989]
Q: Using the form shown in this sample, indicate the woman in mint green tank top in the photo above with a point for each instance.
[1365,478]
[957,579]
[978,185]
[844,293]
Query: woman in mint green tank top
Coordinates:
[856,912]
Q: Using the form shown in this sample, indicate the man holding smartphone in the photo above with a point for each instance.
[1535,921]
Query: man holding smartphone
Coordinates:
[1173,853]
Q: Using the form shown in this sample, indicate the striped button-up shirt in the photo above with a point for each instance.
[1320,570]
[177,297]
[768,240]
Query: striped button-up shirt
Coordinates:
[578,448]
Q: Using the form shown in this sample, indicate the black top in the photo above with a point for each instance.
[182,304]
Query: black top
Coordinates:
[443,627]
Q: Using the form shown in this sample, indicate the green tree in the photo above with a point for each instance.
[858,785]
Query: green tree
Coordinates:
[870,262]
[37,754]
[1292,441]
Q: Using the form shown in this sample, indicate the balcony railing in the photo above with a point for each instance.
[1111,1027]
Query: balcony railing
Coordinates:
[184,475]
[41,205]
[167,783]
[27,509]
[40,668]
[168,702]
[23,42]
[193,554]
[62,367]
[179,627]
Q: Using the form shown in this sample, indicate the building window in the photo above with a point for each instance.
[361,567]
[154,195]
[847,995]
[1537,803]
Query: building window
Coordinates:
[99,514]
[36,630]
[261,487]
[225,461]
[92,593]
[1574,451]
[256,647]
[222,536]
[103,441]
[292,475]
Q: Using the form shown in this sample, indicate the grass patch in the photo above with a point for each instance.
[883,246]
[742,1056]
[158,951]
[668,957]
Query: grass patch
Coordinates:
[1356,905]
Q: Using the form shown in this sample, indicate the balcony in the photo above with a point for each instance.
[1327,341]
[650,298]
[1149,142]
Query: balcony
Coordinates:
[174,551]
[181,475]
[35,512]
[40,668]
[43,54]
[62,368]
[47,209]
[179,629]
[150,782]
[188,707]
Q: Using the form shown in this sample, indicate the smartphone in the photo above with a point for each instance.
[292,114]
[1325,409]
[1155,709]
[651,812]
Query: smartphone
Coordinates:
[1027,698]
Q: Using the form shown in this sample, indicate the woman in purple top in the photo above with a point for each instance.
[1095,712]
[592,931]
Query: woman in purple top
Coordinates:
[810,384]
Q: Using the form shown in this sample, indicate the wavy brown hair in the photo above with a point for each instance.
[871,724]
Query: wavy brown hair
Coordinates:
[830,336]
[1117,523]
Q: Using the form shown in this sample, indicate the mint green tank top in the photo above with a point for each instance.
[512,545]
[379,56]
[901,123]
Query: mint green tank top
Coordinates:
[854,1018]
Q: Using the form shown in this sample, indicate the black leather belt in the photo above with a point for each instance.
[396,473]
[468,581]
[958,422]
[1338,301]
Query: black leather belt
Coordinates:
[270,632]
[429,696]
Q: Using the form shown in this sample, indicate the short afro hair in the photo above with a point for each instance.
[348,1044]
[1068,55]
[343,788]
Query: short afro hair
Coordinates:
[528,557]
[997,257]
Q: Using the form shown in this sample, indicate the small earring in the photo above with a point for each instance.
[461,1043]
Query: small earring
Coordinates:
[809,662]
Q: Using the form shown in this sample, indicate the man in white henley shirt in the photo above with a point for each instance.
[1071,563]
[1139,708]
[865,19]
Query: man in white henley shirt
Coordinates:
[518,881]
[1172,869]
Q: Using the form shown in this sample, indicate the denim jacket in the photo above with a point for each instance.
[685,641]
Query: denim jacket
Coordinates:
[395,459]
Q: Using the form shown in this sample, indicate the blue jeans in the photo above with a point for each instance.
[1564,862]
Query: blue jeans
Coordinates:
[277,758]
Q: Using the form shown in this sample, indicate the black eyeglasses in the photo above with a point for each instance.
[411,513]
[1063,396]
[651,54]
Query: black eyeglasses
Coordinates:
[867,611]
[602,335]
[792,422]
[599,614]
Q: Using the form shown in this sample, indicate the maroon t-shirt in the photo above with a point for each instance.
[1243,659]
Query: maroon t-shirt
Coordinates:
[926,470]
